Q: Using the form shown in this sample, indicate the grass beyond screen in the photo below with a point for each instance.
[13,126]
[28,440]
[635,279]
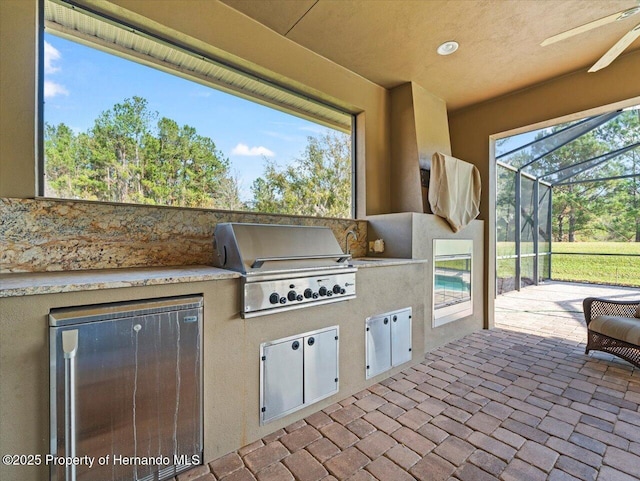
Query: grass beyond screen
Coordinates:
[597,269]
[618,270]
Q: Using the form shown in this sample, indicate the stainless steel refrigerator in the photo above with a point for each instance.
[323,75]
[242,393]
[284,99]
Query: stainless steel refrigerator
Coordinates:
[126,390]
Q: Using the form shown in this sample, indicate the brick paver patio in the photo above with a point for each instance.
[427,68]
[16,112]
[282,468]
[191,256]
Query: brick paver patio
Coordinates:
[516,403]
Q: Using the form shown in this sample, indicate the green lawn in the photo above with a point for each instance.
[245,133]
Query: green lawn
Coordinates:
[616,270]
[597,247]
[598,269]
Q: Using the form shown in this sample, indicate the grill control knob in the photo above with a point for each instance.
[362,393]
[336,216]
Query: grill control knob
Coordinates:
[274,298]
[308,293]
[329,293]
[283,300]
[299,297]
[342,291]
[315,295]
[336,289]
[322,291]
[292,295]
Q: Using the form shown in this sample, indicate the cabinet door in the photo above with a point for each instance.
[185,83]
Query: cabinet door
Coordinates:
[400,336]
[378,345]
[320,365]
[282,378]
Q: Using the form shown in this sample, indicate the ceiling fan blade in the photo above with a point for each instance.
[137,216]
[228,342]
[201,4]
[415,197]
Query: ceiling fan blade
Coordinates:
[617,49]
[591,25]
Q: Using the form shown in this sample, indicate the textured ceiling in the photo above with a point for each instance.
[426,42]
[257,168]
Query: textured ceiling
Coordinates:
[394,41]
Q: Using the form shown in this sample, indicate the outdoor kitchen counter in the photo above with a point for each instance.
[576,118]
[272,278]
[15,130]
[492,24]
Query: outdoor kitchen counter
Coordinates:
[230,344]
[363,262]
[27,284]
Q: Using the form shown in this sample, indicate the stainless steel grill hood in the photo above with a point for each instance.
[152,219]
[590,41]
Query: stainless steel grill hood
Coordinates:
[256,248]
[284,266]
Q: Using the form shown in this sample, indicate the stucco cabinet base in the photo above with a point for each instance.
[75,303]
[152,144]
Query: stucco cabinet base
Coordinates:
[410,235]
[231,347]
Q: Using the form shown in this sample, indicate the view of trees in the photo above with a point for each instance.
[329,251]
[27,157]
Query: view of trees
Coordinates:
[608,210]
[131,155]
[593,211]
[322,177]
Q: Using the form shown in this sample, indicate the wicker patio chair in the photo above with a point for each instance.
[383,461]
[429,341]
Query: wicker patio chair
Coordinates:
[613,326]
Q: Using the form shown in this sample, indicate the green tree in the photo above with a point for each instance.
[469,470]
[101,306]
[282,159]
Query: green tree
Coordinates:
[60,144]
[187,169]
[318,183]
[117,144]
[124,157]
[575,205]
[601,210]
[623,200]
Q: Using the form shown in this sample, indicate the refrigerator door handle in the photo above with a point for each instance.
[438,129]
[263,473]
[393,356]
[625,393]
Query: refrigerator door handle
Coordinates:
[70,348]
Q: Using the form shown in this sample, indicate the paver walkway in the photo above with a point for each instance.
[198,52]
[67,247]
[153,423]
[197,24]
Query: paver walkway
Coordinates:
[520,402]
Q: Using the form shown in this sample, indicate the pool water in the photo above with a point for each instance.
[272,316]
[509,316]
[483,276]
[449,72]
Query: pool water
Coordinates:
[451,283]
[449,290]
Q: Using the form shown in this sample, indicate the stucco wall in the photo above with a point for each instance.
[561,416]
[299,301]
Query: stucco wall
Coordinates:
[418,128]
[18,98]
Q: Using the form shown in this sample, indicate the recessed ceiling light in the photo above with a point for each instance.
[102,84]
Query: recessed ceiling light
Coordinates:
[448,48]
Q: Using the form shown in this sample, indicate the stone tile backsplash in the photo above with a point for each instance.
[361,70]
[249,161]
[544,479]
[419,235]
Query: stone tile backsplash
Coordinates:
[39,235]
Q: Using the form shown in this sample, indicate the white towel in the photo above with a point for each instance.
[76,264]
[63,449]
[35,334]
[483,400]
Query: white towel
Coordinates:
[454,190]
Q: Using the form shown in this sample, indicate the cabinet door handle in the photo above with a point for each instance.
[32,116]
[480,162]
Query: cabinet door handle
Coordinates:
[386,320]
[70,349]
[311,341]
[295,345]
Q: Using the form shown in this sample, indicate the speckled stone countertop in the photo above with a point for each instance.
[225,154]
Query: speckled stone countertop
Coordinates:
[28,284]
[384,261]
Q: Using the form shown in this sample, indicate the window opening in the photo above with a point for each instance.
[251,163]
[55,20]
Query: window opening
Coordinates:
[133,118]
[570,194]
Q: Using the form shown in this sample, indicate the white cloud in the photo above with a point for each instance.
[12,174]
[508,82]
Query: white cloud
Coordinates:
[51,89]
[51,54]
[242,149]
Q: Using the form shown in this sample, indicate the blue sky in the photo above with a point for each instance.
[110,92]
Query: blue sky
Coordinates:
[81,82]
[515,141]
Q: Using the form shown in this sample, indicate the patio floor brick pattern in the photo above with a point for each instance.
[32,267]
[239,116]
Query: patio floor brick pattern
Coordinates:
[519,402]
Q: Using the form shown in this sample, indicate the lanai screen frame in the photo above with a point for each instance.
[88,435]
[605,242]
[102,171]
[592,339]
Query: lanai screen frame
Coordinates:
[555,141]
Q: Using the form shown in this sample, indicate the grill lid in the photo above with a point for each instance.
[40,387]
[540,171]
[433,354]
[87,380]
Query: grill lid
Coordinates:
[260,248]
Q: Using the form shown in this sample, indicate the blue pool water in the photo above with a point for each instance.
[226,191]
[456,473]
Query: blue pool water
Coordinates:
[451,283]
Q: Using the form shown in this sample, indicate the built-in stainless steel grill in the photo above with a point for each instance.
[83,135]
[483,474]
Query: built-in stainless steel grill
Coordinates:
[284,267]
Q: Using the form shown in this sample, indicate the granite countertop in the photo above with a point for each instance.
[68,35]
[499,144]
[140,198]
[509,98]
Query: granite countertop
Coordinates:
[384,261]
[27,284]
